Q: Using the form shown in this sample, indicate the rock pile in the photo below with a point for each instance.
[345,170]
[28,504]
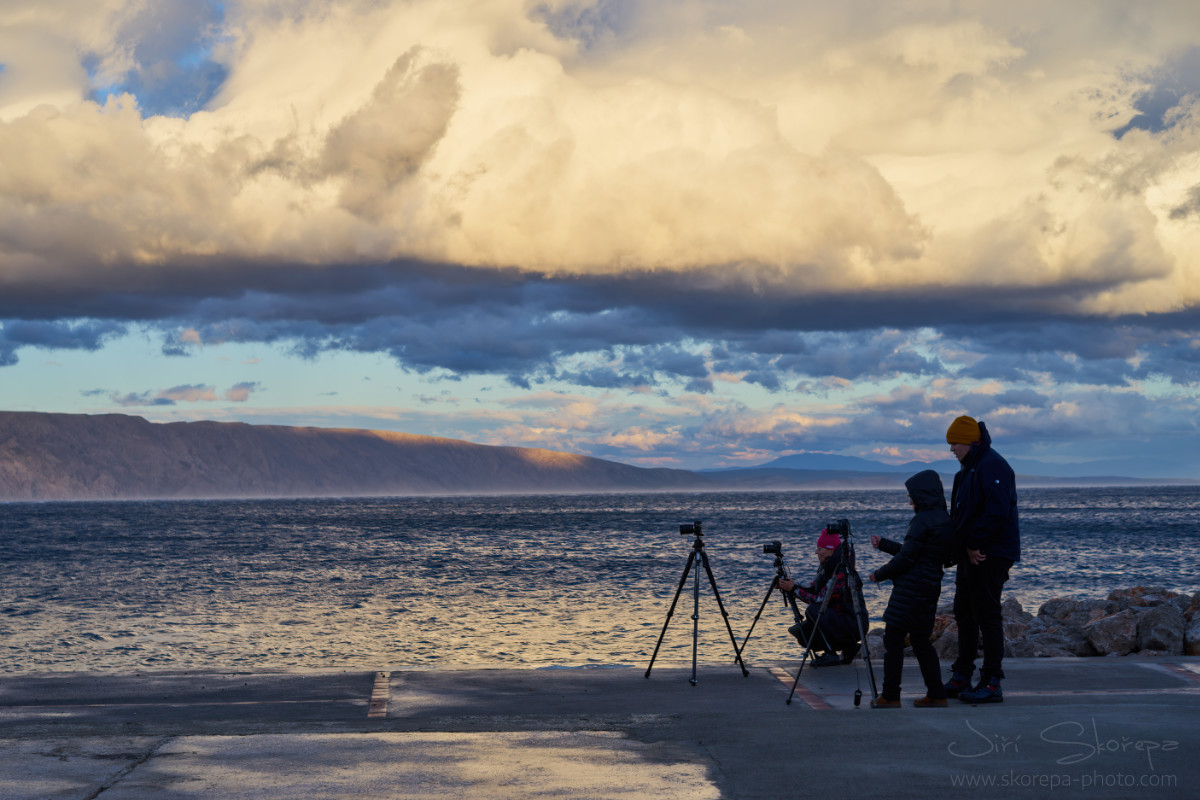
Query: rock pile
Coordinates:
[1149,621]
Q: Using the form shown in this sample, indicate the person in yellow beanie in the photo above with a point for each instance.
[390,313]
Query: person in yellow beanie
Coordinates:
[987,542]
[964,430]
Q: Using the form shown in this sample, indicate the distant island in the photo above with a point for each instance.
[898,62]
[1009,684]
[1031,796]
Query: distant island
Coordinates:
[122,457]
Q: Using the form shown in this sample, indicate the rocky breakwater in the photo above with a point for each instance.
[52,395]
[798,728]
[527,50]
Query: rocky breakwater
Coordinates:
[1144,620]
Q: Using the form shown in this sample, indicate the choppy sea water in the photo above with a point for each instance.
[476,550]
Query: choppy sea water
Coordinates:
[528,581]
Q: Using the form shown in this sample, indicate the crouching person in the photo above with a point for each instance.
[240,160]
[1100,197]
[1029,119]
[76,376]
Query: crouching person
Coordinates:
[915,571]
[835,630]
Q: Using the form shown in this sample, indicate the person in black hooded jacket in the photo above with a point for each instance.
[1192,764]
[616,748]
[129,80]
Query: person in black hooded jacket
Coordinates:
[915,571]
[987,542]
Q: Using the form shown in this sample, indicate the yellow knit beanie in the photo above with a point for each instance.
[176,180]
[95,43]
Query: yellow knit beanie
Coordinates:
[963,430]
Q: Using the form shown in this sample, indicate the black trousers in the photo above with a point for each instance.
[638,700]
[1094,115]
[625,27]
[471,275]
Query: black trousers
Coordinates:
[977,612]
[893,662]
[836,632]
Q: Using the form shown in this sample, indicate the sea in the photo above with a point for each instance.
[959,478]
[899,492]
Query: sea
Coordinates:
[538,582]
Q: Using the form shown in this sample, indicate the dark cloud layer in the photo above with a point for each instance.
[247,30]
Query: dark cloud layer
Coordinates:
[648,328]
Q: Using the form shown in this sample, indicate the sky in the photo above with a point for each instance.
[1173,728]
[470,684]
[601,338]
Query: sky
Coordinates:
[678,233]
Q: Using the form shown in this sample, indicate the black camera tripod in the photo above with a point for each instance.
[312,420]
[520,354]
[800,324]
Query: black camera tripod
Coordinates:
[844,568]
[789,600]
[697,550]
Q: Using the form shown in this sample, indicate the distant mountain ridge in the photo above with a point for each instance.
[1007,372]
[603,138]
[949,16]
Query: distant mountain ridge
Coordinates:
[115,456]
[1136,468]
[830,461]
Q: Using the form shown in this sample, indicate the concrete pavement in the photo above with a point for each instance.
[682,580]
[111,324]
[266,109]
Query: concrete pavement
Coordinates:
[1119,728]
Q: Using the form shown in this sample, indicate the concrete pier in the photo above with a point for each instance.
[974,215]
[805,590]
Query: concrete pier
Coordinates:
[1095,728]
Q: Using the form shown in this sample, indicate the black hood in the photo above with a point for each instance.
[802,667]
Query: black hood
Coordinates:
[925,488]
[979,448]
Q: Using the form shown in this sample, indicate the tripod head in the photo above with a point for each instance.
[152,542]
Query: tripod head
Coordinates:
[841,529]
[781,573]
[694,529]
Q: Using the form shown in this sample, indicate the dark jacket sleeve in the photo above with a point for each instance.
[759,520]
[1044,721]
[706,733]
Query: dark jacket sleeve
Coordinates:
[889,546]
[909,551]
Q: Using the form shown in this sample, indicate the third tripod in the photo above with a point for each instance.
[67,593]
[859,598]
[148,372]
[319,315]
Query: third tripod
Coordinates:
[695,559]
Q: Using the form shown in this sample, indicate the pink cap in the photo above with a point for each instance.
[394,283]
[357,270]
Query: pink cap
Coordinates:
[827,540]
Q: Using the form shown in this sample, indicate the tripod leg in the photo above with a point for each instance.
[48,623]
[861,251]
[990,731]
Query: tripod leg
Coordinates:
[816,629]
[670,612]
[695,619]
[713,582]
[770,591]
[856,598]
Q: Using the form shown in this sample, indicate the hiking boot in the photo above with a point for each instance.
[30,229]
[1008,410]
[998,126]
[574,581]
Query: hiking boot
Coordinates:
[930,702]
[988,691]
[849,653]
[883,702]
[957,684]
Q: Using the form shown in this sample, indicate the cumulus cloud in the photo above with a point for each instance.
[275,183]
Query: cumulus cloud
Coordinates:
[241,392]
[185,394]
[841,150]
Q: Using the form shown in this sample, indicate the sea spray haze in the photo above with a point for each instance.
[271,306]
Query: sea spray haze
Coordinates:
[522,581]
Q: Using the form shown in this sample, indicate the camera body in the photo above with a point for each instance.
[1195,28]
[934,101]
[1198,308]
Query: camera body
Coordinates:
[694,529]
[841,528]
[773,548]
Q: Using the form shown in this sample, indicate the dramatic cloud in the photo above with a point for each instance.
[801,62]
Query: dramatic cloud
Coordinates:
[671,199]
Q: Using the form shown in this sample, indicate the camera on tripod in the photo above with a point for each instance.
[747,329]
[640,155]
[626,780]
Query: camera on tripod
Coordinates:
[841,528]
[773,548]
[697,559]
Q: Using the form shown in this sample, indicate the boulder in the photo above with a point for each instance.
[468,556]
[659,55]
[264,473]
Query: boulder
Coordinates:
[1016,620]
[1191,638]
[875,642]
[1046,637]
[1161,628]
[1146,597]
[1073,611]
[1147,620]
[945,632]
[1011,609]
[946,644]
[1116,634]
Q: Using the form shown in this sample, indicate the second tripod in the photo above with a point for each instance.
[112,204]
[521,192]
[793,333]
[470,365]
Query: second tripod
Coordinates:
[695,559]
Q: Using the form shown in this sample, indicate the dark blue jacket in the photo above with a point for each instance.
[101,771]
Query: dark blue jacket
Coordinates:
[983,504]
[916,566]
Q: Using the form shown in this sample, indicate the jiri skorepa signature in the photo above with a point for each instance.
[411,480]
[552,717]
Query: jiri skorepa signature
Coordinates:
[1082,742]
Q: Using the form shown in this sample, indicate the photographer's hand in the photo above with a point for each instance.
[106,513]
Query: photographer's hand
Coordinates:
[872,577]
[976,556]
[787,584]
[875,540]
